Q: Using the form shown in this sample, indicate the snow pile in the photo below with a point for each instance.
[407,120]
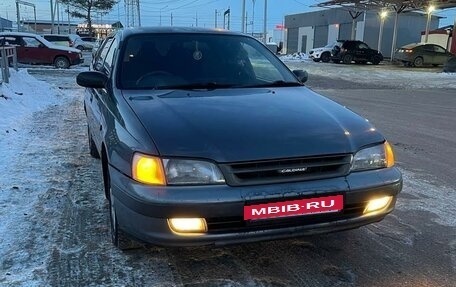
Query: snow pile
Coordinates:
[22,96]
[295,57]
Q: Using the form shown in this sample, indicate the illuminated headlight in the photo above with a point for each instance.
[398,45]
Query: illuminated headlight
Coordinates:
[377,204]
[154,170]
[188,225]
[379,156]
[183,172]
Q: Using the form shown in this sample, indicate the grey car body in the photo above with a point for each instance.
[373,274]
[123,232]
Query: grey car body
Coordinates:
[266,141]
[419,54]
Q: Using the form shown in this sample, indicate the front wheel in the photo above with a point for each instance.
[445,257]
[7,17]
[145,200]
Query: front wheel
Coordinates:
[92,147]
[119,238]
[347,59]
[418,62]
[325,57]
[61,62]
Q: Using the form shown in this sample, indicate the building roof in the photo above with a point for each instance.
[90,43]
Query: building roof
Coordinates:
[63,23]
[397,5]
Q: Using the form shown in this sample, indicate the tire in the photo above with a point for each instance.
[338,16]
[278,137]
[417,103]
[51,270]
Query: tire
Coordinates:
[418,62]
[61,62]
[118,237]
[375,61]
[347,59]
[325,57]
[80,47]
[92,147]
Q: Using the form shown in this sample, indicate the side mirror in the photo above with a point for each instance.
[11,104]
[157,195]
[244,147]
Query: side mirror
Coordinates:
[301,75]
[92,79]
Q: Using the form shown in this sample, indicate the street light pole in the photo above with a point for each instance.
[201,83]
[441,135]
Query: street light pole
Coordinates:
[161,13]
[253,16]
[265,26]
[243,17]
[383,15]
[428,22]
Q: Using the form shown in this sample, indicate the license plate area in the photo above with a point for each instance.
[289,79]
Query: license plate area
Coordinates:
[299,207]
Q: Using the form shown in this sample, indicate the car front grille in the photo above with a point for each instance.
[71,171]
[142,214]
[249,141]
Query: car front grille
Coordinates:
[238,224]
[286,170]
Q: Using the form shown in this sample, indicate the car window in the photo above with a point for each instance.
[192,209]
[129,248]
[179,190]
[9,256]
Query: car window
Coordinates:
[363,46]
[428,48]
[262,68]
[100,57]
[163,60]
[108,61]
[439,49]
[31,42]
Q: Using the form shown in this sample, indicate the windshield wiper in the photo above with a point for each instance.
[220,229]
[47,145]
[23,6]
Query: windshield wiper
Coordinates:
[274,84]
[196,86]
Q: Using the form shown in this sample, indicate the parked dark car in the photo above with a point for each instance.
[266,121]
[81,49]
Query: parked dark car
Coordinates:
[419,54]
[34,49]
[356,51]
[206,137]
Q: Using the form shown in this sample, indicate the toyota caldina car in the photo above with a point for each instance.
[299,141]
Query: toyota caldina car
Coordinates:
[206,137]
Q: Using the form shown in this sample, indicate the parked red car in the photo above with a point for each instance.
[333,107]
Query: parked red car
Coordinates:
[34,49]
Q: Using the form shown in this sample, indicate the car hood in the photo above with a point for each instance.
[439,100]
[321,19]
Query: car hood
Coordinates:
[230,125]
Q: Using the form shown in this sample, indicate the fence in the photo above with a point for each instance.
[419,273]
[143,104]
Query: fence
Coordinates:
[6,53]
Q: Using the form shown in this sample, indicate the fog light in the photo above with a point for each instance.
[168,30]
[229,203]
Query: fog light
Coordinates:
[188,225]
[377,204]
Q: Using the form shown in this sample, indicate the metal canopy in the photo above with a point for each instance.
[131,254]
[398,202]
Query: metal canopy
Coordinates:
[396,5]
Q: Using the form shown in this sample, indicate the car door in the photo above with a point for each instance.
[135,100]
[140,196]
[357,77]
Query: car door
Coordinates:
[35,51]
[428,54]
[96,98]
[362,51]
[441,55]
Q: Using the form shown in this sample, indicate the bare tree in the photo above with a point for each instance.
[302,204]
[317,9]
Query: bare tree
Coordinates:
[85,8]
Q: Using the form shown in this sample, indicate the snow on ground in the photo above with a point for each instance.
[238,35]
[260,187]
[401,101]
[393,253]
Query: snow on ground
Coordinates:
[295,57]
[383,74]
[22,96]
[19,101]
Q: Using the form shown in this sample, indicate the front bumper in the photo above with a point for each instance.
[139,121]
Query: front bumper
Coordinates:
[142,211]
[315,55]
[77,61]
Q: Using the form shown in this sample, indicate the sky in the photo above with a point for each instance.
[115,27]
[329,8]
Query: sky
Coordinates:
[193,12]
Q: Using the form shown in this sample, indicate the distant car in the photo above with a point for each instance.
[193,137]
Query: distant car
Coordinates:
[324,53]
[34,49]
[419,54]
[205,137]
[89,42]
[357,51]
[70,40]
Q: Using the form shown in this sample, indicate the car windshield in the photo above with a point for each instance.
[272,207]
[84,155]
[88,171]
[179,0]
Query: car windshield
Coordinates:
[199,61]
